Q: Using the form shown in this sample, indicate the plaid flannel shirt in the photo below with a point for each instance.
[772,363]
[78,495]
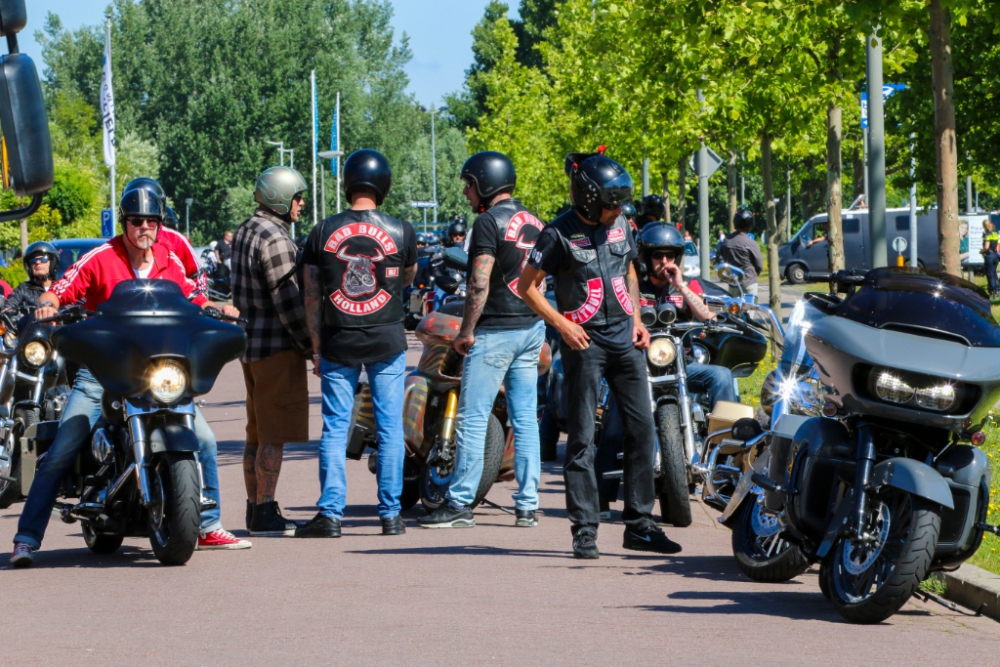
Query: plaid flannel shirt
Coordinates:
[264,254]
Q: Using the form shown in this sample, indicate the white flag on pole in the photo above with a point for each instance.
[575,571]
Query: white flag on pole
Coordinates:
[108,106]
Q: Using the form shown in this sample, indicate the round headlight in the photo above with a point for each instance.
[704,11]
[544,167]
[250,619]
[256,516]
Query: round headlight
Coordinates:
[10,340]
[938,398]
[661,352]
[167,381]
[891,388]
[36,353]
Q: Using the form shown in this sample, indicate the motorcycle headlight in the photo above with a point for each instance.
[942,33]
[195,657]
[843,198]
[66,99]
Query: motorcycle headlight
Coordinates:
[891,388]
[167,381]
[36,353]
[661,352]
[940,397]
[10,340]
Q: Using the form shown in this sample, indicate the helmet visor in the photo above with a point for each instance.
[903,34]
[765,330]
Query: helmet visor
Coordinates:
[616,192]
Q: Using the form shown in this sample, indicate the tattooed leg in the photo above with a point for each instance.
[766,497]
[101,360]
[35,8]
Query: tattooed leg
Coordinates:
[250,470]
[268,468]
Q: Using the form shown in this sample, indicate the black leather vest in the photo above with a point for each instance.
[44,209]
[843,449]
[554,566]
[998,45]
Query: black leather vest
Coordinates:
[517,230]
[591,291]
[362,269]
[651,295]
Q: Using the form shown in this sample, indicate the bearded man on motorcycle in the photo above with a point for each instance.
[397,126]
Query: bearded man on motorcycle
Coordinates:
[132,254]
[589,251]
[356,266]
[661,250]
[501,338]
[41,262]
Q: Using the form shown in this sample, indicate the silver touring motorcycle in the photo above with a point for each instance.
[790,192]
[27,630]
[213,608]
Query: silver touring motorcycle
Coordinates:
[889,484]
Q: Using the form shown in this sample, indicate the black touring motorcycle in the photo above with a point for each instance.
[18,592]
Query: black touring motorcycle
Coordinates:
[889,484]
[153,352]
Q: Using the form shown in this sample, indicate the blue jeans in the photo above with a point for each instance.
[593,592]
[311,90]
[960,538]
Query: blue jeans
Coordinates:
[716,381]
[83,409]
[387,381]
[508,357]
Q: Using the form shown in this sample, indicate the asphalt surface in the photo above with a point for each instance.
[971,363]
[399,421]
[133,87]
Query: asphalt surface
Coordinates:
[493,594]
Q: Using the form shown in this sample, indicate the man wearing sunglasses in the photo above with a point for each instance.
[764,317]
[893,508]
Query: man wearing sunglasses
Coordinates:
[589,252]
[132,254]
[41,262]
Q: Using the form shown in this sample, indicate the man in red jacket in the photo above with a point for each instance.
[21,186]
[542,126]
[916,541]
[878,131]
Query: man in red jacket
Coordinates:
[132,254]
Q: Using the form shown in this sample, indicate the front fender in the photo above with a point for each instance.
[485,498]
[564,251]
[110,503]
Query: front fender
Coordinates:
[173,438]
[915,478]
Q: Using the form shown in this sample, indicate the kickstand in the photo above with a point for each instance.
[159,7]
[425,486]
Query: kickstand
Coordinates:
[495,506]
[928,596]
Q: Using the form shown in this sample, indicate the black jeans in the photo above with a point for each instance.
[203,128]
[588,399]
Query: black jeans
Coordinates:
[990,260]
[627,379]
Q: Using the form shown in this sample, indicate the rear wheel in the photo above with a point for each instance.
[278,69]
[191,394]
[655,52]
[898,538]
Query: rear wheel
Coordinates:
[672,486]
[796,274]
[758,547]
[10,491]
[411,484]
[492,458]
[870,580]
[174,510]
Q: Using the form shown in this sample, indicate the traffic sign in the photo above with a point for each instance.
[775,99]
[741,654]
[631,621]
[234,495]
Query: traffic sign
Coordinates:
[714,162]
[899,245]
[888,90]
[107,223]
[423,204]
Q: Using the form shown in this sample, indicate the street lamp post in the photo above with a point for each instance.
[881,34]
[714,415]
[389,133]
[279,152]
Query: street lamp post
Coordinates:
[282,150]
[434,178]
[187,216]
[327,155]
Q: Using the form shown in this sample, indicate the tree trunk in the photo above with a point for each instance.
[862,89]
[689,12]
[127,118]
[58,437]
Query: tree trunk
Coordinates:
[732,185]
[682,168]
[666,198]
[24,236]
[942,79]
[773,236]
[834,185]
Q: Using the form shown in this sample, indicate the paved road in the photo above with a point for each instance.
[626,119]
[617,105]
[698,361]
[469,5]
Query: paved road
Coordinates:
[494,594]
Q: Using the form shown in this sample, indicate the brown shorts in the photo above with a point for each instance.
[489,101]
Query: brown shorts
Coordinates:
[277,399]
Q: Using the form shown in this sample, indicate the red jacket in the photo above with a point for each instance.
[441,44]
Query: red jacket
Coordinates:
[92,278]
[178,243]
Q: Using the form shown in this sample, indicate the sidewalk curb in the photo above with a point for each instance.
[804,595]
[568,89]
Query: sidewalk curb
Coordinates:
[974,588]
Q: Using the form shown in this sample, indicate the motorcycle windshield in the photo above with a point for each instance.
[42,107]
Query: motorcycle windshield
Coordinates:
[142,320]
[924,303]
[795,359]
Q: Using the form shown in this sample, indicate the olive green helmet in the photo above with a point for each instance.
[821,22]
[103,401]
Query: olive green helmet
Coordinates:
[276,188]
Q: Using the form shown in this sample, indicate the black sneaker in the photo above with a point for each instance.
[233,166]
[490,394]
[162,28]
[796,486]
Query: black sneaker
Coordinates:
[652,539]
[447,516]
[393,525]
[319,526]
[268,522]
[249,514]
[525,518]
[585,544]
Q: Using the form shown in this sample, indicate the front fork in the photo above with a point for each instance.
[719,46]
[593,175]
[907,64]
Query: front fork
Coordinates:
[138,431]
[685,407]
[862,480]
[443,453]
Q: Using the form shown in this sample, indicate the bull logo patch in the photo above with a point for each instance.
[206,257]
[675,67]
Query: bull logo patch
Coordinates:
[359,277]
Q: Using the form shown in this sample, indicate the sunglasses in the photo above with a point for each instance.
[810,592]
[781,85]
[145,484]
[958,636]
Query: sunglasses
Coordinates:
[665,254]
[39,260]
[139,222]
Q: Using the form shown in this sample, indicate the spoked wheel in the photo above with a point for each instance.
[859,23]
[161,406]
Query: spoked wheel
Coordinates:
[434,479]
[10,457]
[672,485]
[98,543]
[760,551]
[174,510]
[870,580]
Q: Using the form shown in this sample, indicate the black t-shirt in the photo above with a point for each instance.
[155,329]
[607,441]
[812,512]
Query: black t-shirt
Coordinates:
[486,241]
[550,257]
[224,250]
[365,345]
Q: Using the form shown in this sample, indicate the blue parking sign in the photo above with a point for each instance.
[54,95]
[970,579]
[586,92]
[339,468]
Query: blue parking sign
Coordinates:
[107,223]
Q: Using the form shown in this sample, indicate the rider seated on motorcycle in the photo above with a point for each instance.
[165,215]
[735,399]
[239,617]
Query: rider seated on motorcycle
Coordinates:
[132,254]
[661,249]
[41,262]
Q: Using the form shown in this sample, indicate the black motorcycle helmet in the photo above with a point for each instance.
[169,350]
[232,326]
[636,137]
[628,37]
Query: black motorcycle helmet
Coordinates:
[597,183]
[141,203]
[367,168]
[653,207]
[659,236]
[39,249]
[491,173]
[455,228]
[628,210]
[145,183]
[743,220]
[169,218]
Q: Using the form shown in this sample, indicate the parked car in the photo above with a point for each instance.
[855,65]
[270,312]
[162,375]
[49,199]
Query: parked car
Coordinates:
[798,257]
[692,261]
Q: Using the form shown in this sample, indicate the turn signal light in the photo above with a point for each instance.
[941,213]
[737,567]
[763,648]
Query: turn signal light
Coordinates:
[734,308]
[978,438]
[829,409]
[3,330]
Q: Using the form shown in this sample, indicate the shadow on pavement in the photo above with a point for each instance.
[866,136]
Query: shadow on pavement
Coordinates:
[796,605]
[467,550]
[126,556]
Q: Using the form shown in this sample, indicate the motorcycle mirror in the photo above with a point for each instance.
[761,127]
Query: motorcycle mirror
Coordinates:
[455,258]
[666,313]
[648,316]
[746,429]
[730,274]
[13,17]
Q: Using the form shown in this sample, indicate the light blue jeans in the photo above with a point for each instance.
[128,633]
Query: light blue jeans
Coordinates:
[508,357]
[83,409]
[387,381]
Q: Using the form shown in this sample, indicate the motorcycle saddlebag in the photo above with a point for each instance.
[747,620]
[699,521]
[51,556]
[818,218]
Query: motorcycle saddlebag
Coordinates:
[36,441]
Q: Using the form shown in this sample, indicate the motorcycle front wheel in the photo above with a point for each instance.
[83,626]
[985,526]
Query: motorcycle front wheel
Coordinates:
[175,507]
[672,485]
[758,547]
[869,581]
[10,491]
[434,486]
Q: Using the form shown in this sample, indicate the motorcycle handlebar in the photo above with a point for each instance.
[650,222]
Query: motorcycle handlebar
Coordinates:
[219,315]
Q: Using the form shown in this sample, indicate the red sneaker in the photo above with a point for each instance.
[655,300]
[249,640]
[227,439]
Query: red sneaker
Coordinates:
[221,539]
[21,556]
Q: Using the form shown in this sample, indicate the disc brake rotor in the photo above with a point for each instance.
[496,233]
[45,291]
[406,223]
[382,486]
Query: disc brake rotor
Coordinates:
[764,524]
[6,460]
[858,556]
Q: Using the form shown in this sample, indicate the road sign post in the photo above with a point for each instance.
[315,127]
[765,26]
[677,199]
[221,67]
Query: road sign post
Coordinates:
[107,223]
[704,163]
[424,205]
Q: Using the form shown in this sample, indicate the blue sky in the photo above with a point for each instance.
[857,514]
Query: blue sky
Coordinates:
[440,34]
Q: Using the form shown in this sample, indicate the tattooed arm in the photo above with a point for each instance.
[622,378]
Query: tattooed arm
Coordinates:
[700,311]
[475,301]
[640,335]
[314,309]
[409,273]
